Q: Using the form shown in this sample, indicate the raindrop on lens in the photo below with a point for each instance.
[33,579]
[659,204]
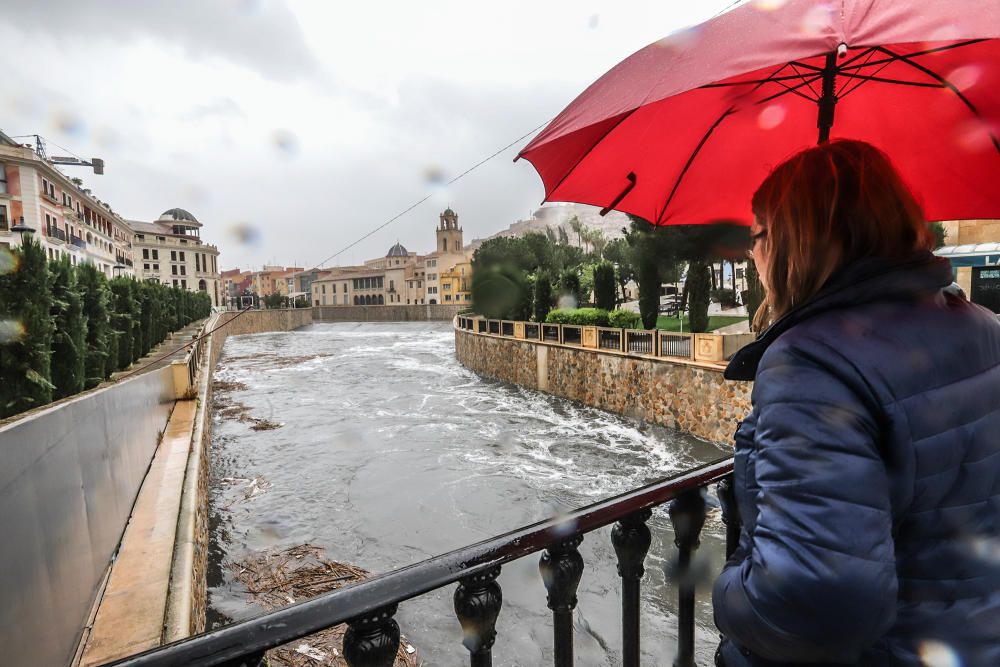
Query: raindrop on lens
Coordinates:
[768,5]
[817,20]
[285,142]
[8,261]
[11,331]
[67,124]
[245,233]
[935,653]
[771,116]
[965,77]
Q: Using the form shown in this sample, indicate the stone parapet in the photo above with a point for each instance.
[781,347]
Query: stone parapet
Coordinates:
[396,313]
[687,395]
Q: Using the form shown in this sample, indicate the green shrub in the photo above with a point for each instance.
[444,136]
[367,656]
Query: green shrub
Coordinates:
[581,316]
[69,340]
[501,292]
[725,297]
[26,343]
[543,296]
[604,285]
[624,319]
[96,299]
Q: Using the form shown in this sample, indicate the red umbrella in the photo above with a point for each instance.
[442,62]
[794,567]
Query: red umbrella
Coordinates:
[683,131]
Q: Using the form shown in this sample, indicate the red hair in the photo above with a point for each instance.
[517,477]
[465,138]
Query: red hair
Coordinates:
[829,206]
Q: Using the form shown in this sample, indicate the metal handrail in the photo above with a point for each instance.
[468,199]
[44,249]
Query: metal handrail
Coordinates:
[368,606]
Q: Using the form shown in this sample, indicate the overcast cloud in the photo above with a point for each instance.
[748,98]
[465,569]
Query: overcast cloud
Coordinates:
[292,128]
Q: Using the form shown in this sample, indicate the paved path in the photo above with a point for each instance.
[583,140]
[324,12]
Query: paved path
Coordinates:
[171,346]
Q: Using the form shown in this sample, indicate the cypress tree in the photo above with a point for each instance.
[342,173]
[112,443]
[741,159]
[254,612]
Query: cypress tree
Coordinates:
[543,295]
[699,286]
[25,329]
[604,286]
[754,295]
[121,320]
[96,307]
[569,285]
[70,337]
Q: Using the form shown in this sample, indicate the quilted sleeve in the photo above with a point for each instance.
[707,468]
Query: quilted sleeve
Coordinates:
[819,581]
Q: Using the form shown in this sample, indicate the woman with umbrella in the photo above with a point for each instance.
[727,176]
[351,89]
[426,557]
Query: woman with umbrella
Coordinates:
[868,473]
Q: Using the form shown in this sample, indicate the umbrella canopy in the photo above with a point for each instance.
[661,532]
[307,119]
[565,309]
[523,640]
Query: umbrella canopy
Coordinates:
[683,131]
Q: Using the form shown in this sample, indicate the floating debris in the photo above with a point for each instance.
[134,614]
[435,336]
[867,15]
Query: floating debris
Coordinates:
[264,424]
[279,578]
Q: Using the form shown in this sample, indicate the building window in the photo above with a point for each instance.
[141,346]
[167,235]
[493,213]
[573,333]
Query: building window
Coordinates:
[145,267]
[156,253]
[3,178]
[447,297]
[184,283]
[156,267]
[175,282]
[324,289]
[345,299]
[182,255]
[173,255]
[173,270]
[3,214]
[145,253]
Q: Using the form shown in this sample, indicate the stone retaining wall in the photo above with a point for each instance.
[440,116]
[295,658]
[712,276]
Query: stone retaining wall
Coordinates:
[188,587]
[424,313]
[689,396]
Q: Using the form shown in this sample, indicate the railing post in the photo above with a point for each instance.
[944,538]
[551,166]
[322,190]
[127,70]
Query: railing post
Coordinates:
[730,513]
[562,567]
[477,604]
[372,640]
[687,514]
[631,539]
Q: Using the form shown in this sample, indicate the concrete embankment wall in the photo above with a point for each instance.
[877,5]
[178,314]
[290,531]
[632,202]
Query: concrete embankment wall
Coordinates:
[686,395]
[68,479]
[187,596]
[424,313]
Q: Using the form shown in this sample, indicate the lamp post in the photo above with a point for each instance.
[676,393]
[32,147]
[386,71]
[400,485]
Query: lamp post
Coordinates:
[117,267]
[22,229]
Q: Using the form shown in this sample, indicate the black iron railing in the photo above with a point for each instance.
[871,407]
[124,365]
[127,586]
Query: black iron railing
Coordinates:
[506,328]
[531,331]
[675,345]
[572,335]
[609,339]
[640,342]
[368,607]
[550,332]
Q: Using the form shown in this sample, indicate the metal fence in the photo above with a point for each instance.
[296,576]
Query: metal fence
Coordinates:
[572,334]
[531,331]
[676,345]
[550,333]
[373,635]
[506,328]
[610,339]
[640,342]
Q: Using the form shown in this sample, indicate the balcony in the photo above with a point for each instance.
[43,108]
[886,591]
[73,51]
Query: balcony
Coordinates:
[56,235]
[78,242]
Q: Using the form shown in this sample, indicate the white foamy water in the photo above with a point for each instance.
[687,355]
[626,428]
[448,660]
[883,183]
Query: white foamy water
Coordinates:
[390,452]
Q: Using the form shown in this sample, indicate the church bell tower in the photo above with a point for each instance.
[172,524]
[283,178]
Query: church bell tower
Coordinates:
[449,234]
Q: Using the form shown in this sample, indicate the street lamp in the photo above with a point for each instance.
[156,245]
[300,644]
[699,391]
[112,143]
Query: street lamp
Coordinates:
[22,229]
[117,267]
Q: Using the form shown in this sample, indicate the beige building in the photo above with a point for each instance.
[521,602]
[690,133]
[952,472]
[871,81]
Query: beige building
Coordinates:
[970,243]
[64,217]
[402,277]
[171,251]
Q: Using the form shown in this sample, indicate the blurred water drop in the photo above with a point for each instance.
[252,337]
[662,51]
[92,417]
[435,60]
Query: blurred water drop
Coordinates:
[106,138]
[965,77]
[67,124]
[566,301]
[285,142]
[935,653]
[436,183]
[595,21]
[771,116]
[817,20]
[244,233]
[11,331]
[682,40]
[768,5]
[8,261]
[973,136]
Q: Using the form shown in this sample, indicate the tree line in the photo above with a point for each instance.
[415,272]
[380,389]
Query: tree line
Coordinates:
[67,328]
[522,278]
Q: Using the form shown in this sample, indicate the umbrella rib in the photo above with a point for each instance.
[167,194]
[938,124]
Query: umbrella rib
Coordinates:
[731,84]
[588,152]
[731,110]
[848,87]
[898,82]
[803,78]
[946,83]
[894,57]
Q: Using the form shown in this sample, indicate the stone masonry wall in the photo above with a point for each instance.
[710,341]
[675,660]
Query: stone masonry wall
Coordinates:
[396,313]
[687,396]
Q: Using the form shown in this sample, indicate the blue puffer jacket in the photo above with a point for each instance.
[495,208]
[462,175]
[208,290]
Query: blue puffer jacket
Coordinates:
[868,479]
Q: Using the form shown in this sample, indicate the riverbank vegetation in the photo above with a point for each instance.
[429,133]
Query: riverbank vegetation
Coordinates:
[66,328]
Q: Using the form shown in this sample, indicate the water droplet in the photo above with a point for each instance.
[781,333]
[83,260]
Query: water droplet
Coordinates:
[285,142]
[11,331]
[965,77]
[245,233]
[935,653]
[8,261]
[818,20]
[771,116]
[566,301]
[682,40]
[768,5]
[594,22]
[68,124]
[973,136]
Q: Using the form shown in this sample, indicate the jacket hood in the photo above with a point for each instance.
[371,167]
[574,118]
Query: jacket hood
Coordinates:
[866,281]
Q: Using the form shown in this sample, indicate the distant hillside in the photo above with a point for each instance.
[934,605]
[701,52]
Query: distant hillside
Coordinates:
[553,216]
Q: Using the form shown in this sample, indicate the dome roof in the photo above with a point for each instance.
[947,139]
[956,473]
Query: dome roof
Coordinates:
[448,212]
[177,215]
[397,251]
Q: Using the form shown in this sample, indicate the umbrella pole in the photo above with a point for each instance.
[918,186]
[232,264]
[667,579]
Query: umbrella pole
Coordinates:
[828,99]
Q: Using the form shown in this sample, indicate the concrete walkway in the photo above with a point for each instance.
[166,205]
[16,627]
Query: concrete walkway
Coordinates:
[171,347]
[130,617]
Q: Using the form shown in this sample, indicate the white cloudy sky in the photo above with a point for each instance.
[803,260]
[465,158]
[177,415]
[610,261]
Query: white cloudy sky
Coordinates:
[311,122]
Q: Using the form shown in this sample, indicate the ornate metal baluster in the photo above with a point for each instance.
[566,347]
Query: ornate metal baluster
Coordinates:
[561,567]
[372,640]
[687,514]
[631,539]
[726,489]
[477,603]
